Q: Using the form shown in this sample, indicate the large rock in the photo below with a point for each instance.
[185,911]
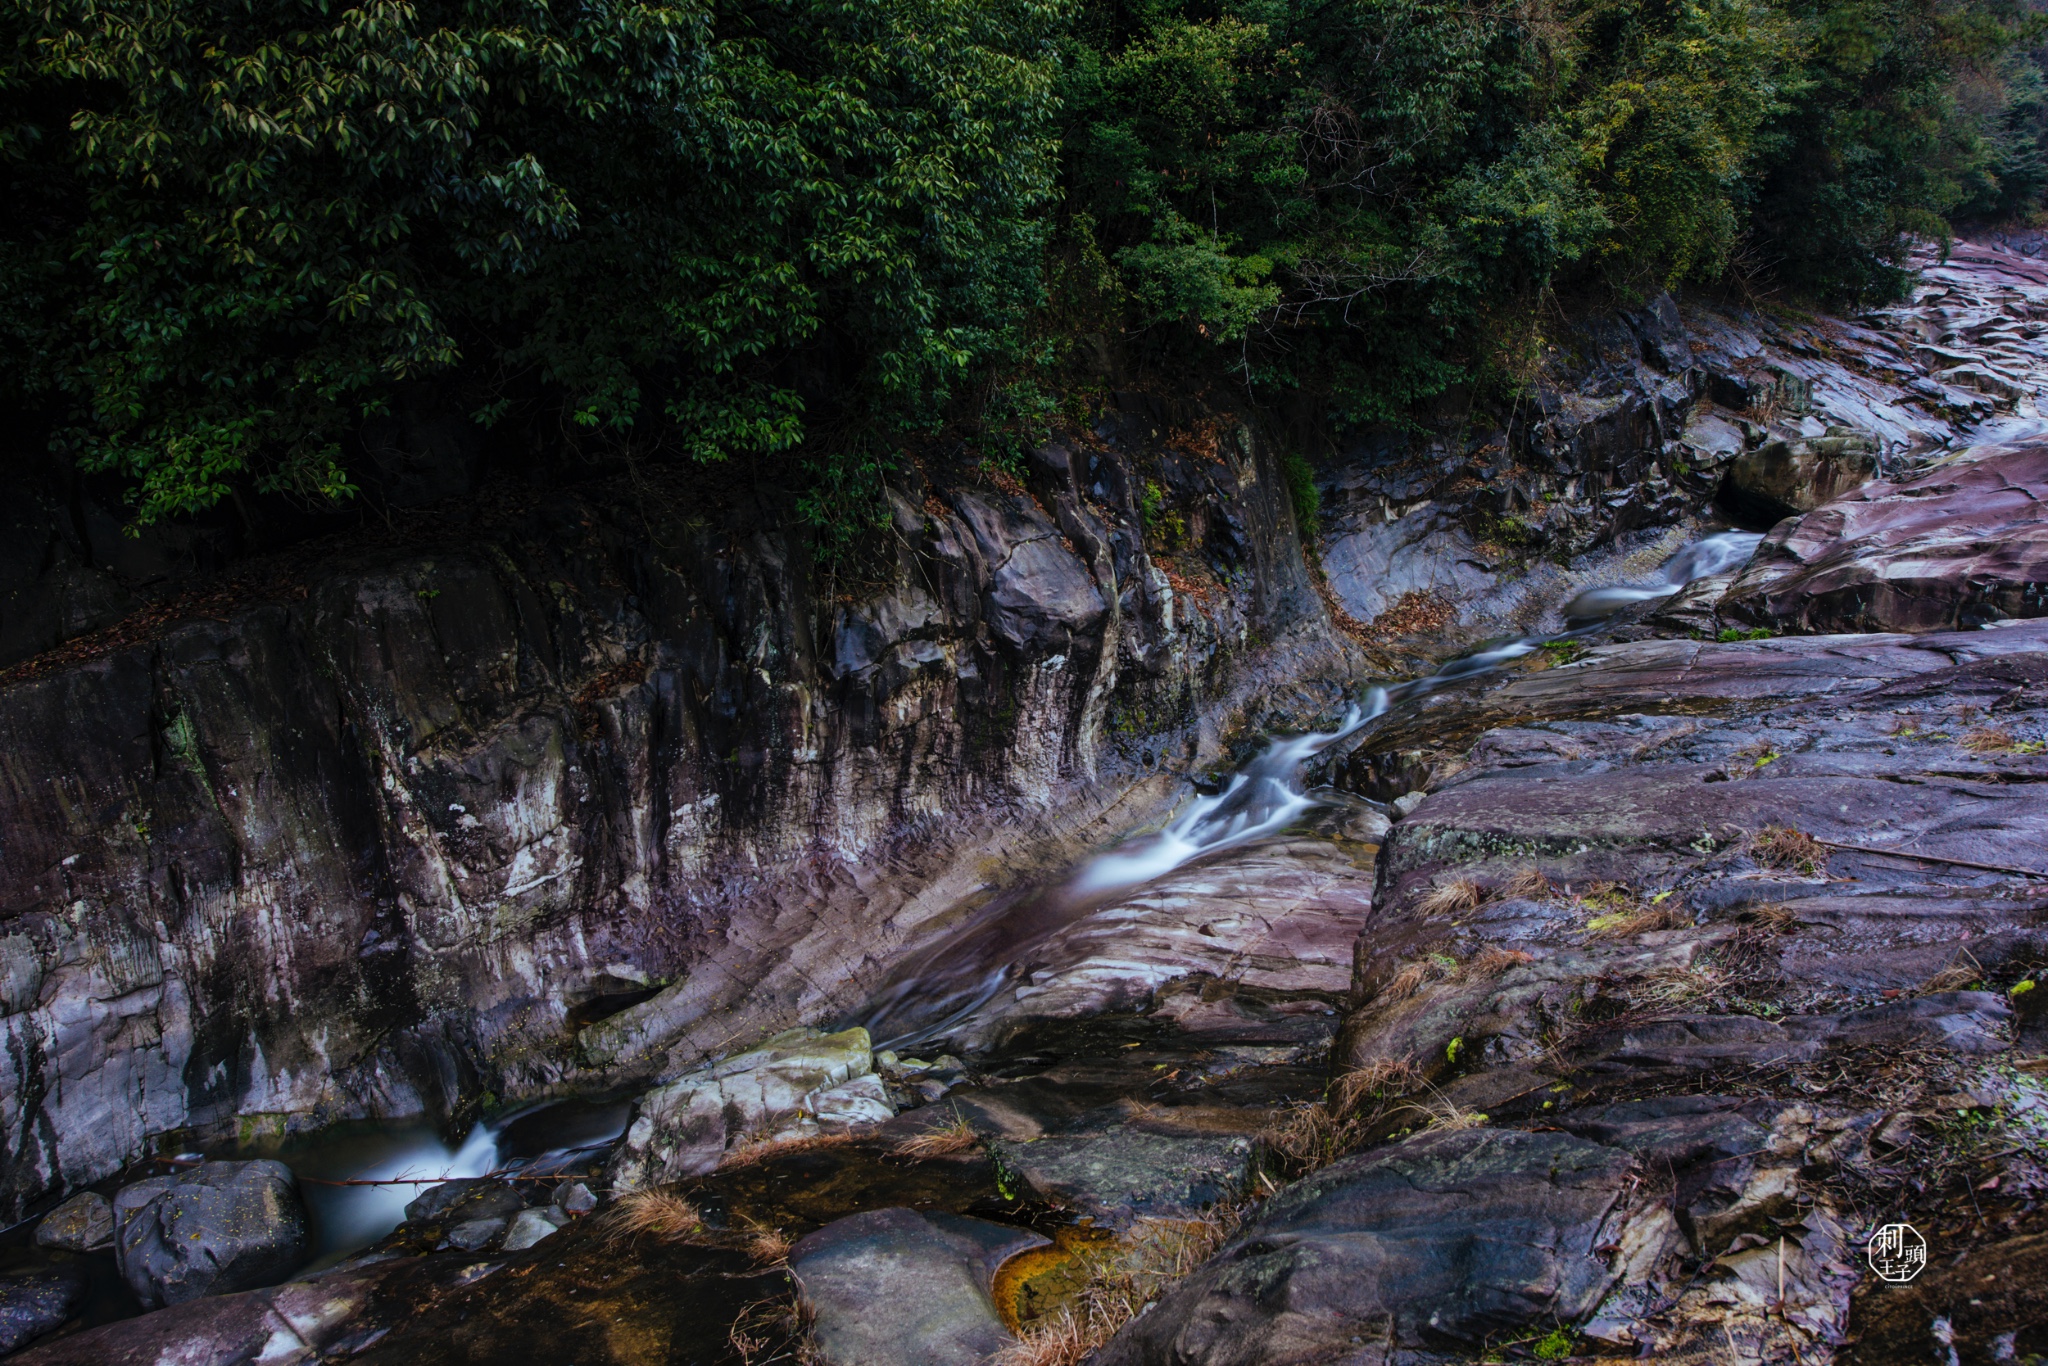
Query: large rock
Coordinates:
[218,1228]
[84,1223]
[783,1088]
[1784,478]
[296,1324]
[1959,546]
[1439,1243]
[896,1287]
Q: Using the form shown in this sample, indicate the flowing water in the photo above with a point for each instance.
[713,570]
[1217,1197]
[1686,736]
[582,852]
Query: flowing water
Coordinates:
[943,987]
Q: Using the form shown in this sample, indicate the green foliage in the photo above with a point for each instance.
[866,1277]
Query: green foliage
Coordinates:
[1556,1346]
[1303,493]
[798,231]
[1730,635]
[232,229]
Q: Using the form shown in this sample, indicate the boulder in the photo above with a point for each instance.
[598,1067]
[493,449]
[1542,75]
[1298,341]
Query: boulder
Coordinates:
[574,1199]
[217,1228]
[1439,1243]
[684,1127]
[1041,596]
[1125,1174]
[35,1304]
[1784,478]
[1959,546]
[84,1223]
[465,1199]
[296,1324]
[900,1287]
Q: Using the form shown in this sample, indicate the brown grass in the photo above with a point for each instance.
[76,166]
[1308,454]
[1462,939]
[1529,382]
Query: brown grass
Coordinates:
[1988,740]
[656,1214]
[1439,1113]
[1782,847]
[1493,960]
[1458,895]
[1376,1080]
[1774,918]
[748,1151]
[768,1246]
[1121,1279]
[1312,1136]
[954,1136]
[1639,920]
[1414,976]
[1964,970]
[1681,987]
[1528,883]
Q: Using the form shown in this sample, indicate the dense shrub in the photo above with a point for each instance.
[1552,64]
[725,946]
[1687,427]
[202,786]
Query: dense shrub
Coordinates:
[231,231]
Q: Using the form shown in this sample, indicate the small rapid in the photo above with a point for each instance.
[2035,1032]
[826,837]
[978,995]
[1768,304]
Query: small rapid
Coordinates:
[943,987]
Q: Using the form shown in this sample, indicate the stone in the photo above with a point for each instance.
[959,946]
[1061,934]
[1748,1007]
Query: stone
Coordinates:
[900,1287]
[574,1198]
[212,1230]
[853,1104]
[1439,1243]
[1781,479]
[1961,545]
[1042,596]
[466,1198]
[473,1235]
[84,1223]
[529,1227]
[295,1324]
[684,1127]
[37,1303]
[1124,1174]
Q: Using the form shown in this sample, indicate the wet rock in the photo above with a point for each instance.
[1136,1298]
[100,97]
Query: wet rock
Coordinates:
[1126,1174]
[1784,478]
[896,1287]
[466,1198]
[84,1223]
[1438,1243]
[474,1235]
[1959,546]
[215,1229]
[683,1128]
[287,1325]
[574,1198]
[35,1304]
[530,1226]
[853,1104]
[1041,596]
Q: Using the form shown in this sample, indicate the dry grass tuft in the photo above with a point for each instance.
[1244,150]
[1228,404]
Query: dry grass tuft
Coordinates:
[1121,1279]
[1960,973]
[1441,1113]
[1988,740]
[1377,1080]
[1528,883]
[748,1151]
[1493,960]
[1637,920]
[1312,1136]
[1782,847]
[768,1246]
[1774,918]
[1680,987]
[1414,976]
[1458,895]
[955,1136]
[656,1213]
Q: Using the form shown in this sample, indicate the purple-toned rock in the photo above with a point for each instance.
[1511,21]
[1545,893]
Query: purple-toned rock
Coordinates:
[1956,547]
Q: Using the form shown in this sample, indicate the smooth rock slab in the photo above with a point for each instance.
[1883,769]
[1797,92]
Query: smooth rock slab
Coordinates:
[84,1223]
[896,1287]
[1126,1174]
[1435,1244]
[218,1228]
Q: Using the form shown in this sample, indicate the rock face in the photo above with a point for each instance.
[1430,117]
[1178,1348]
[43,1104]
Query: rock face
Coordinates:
[1440,1243]
[1957,547]
[1781,478]
[218,1228]
[382,835]
[895,1287]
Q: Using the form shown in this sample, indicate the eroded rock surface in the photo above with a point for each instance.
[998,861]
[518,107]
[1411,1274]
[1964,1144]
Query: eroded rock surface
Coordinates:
[217,1228]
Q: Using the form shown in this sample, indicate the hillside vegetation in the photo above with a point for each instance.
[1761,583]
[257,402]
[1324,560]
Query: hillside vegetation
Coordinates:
[799,232]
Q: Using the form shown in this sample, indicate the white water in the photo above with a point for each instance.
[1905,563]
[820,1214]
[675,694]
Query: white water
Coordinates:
[1261,798]
[352,1217]
[933,994]
[1710,555]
